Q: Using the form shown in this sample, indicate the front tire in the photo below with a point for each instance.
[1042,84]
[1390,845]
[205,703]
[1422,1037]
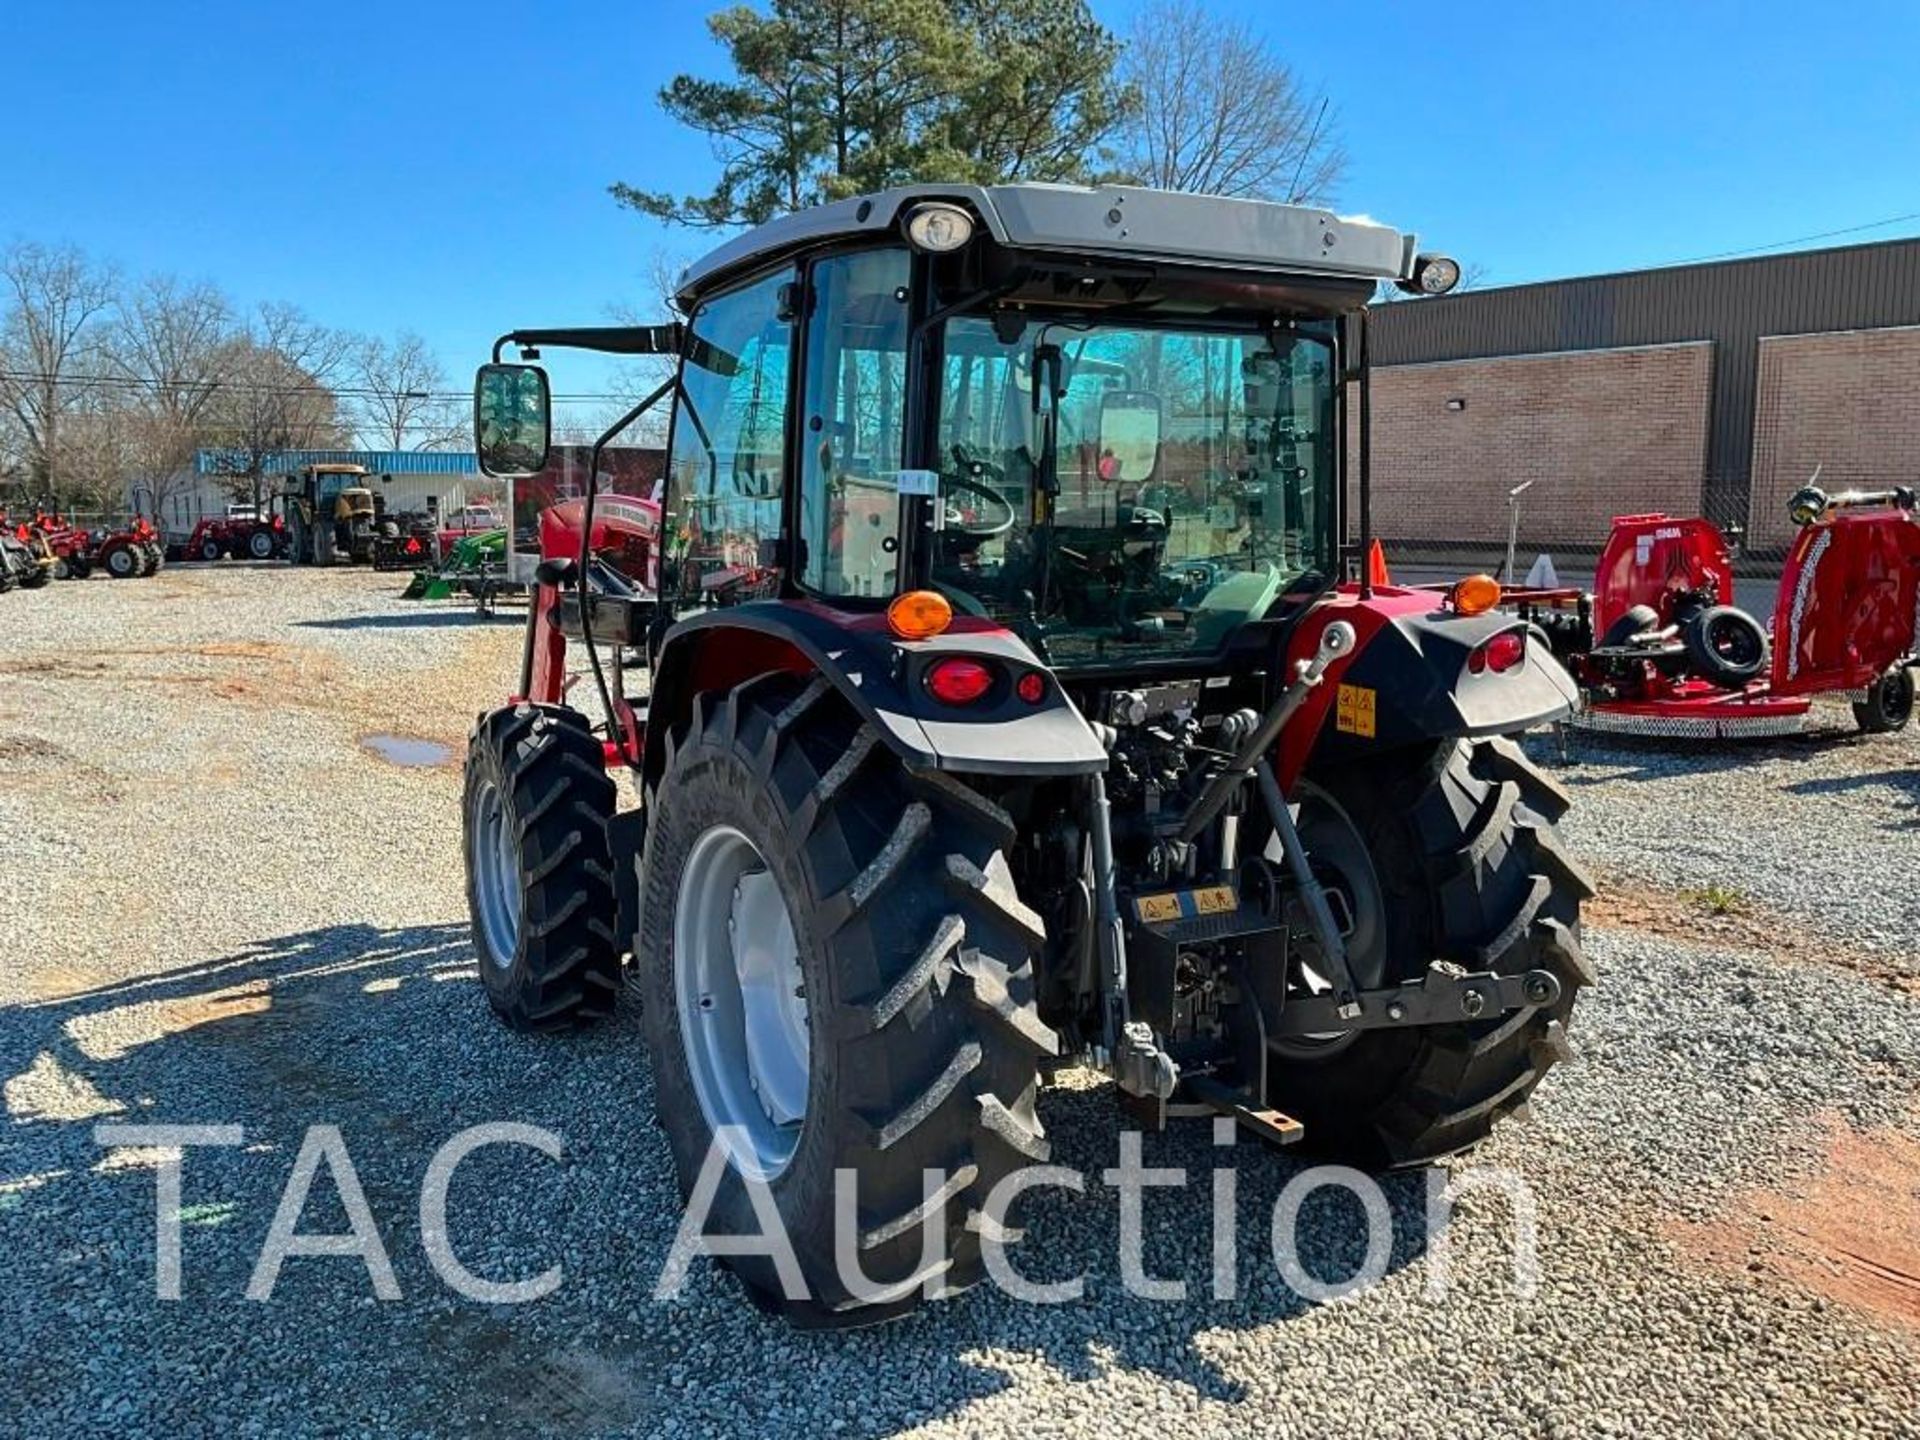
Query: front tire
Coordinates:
[539,876]
[1449,854]
[1888,705]
[914,963]
[122,562]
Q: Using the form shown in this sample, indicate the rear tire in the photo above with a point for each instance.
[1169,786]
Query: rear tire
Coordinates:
[1460,842]
[1889,703]
[923,1038]
[1726,645]
[539,877]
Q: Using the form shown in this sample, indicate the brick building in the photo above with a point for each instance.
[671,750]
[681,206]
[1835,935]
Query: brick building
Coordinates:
[1709,389]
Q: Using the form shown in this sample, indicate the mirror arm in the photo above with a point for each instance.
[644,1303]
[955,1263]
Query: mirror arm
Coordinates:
[607,339]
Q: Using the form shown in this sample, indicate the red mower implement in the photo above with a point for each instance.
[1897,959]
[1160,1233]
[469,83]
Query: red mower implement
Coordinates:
[1659,649]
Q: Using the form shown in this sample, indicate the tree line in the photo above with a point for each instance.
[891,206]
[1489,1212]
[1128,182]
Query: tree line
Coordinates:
[831,98]
[108,381]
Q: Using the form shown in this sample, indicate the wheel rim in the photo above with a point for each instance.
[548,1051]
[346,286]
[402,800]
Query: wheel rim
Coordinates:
[496,877]
[1345,869]
[121,562]
[1734,642]
[743,1013]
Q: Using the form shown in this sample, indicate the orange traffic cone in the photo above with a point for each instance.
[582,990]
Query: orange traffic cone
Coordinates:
[1377,565]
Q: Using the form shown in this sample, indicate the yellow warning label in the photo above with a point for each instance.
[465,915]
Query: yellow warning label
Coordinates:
[1215,900]
[1185,904]
[1353,711]
[1157,909]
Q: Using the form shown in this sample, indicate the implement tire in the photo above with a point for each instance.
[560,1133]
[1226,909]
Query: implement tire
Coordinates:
[1888,705]
[1458,848]
[539,877]
[919,1039]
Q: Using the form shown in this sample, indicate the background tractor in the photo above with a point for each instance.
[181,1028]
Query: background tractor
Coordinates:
[331,515]
[993,698]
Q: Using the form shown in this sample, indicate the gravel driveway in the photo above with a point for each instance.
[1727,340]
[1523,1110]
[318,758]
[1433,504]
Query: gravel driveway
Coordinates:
[227,910]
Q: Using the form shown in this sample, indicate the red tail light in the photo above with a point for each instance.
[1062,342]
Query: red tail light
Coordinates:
[1032,687]
[1500,654]
[958,682]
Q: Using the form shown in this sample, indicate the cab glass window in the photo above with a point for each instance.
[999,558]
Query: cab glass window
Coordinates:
[855,393]
[729,446]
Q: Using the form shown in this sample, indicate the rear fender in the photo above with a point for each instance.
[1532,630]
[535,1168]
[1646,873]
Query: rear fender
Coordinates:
[1406,680]
[881,677]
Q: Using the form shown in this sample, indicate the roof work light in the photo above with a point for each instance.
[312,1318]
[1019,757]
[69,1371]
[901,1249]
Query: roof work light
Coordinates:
[939,228]
[1432,275]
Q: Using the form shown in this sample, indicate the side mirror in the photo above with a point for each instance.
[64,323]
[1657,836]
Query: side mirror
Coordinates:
[512,419]
[1129,435]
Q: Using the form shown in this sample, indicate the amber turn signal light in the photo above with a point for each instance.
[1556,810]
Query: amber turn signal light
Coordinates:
[919,614]
[1475,595]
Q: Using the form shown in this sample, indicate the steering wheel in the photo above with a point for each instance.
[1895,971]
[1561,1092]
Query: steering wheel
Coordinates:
[1001,511]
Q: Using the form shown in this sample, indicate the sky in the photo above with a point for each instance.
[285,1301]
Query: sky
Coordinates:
[442,167]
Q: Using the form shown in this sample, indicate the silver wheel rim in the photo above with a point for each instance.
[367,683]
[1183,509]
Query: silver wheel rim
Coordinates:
[743,1012]
[496,877]
[121,562]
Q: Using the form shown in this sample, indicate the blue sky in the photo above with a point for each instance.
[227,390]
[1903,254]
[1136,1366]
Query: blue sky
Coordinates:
[442,167]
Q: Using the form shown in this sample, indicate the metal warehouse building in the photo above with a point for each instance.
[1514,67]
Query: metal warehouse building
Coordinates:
[1701,389]
[405,478]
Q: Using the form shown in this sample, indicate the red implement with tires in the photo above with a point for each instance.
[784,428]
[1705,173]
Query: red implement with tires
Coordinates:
[1659,649]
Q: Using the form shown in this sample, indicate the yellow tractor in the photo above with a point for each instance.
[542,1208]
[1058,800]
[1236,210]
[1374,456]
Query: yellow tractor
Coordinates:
[331,515]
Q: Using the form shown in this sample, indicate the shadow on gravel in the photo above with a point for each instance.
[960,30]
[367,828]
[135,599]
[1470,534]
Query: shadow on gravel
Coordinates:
[382,1032]
[1629,757]
[417,620]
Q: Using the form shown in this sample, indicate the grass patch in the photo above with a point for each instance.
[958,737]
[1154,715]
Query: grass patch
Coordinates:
[1716,899]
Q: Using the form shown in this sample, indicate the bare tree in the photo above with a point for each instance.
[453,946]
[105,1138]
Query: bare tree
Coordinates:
[399,396]
[1220,113]
[277,395]
[172,346]
[57,304]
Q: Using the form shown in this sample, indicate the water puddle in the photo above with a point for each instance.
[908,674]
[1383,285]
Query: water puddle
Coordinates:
[408,750]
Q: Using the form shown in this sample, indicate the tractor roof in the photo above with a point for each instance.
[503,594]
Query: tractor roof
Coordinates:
[1120,222]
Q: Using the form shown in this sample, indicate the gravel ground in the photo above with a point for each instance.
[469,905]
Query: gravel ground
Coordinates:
[230,911]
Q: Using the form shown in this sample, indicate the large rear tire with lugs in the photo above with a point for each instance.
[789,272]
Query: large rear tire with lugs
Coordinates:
[884,1023]
[540,885]
[1447,854]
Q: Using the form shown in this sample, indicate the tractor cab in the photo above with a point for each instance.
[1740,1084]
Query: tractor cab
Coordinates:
[999,689]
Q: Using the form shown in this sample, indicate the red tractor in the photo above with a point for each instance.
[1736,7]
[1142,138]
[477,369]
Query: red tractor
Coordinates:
[132,552]
[992,699]
[1674,657]
[71,546]
[244,536]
